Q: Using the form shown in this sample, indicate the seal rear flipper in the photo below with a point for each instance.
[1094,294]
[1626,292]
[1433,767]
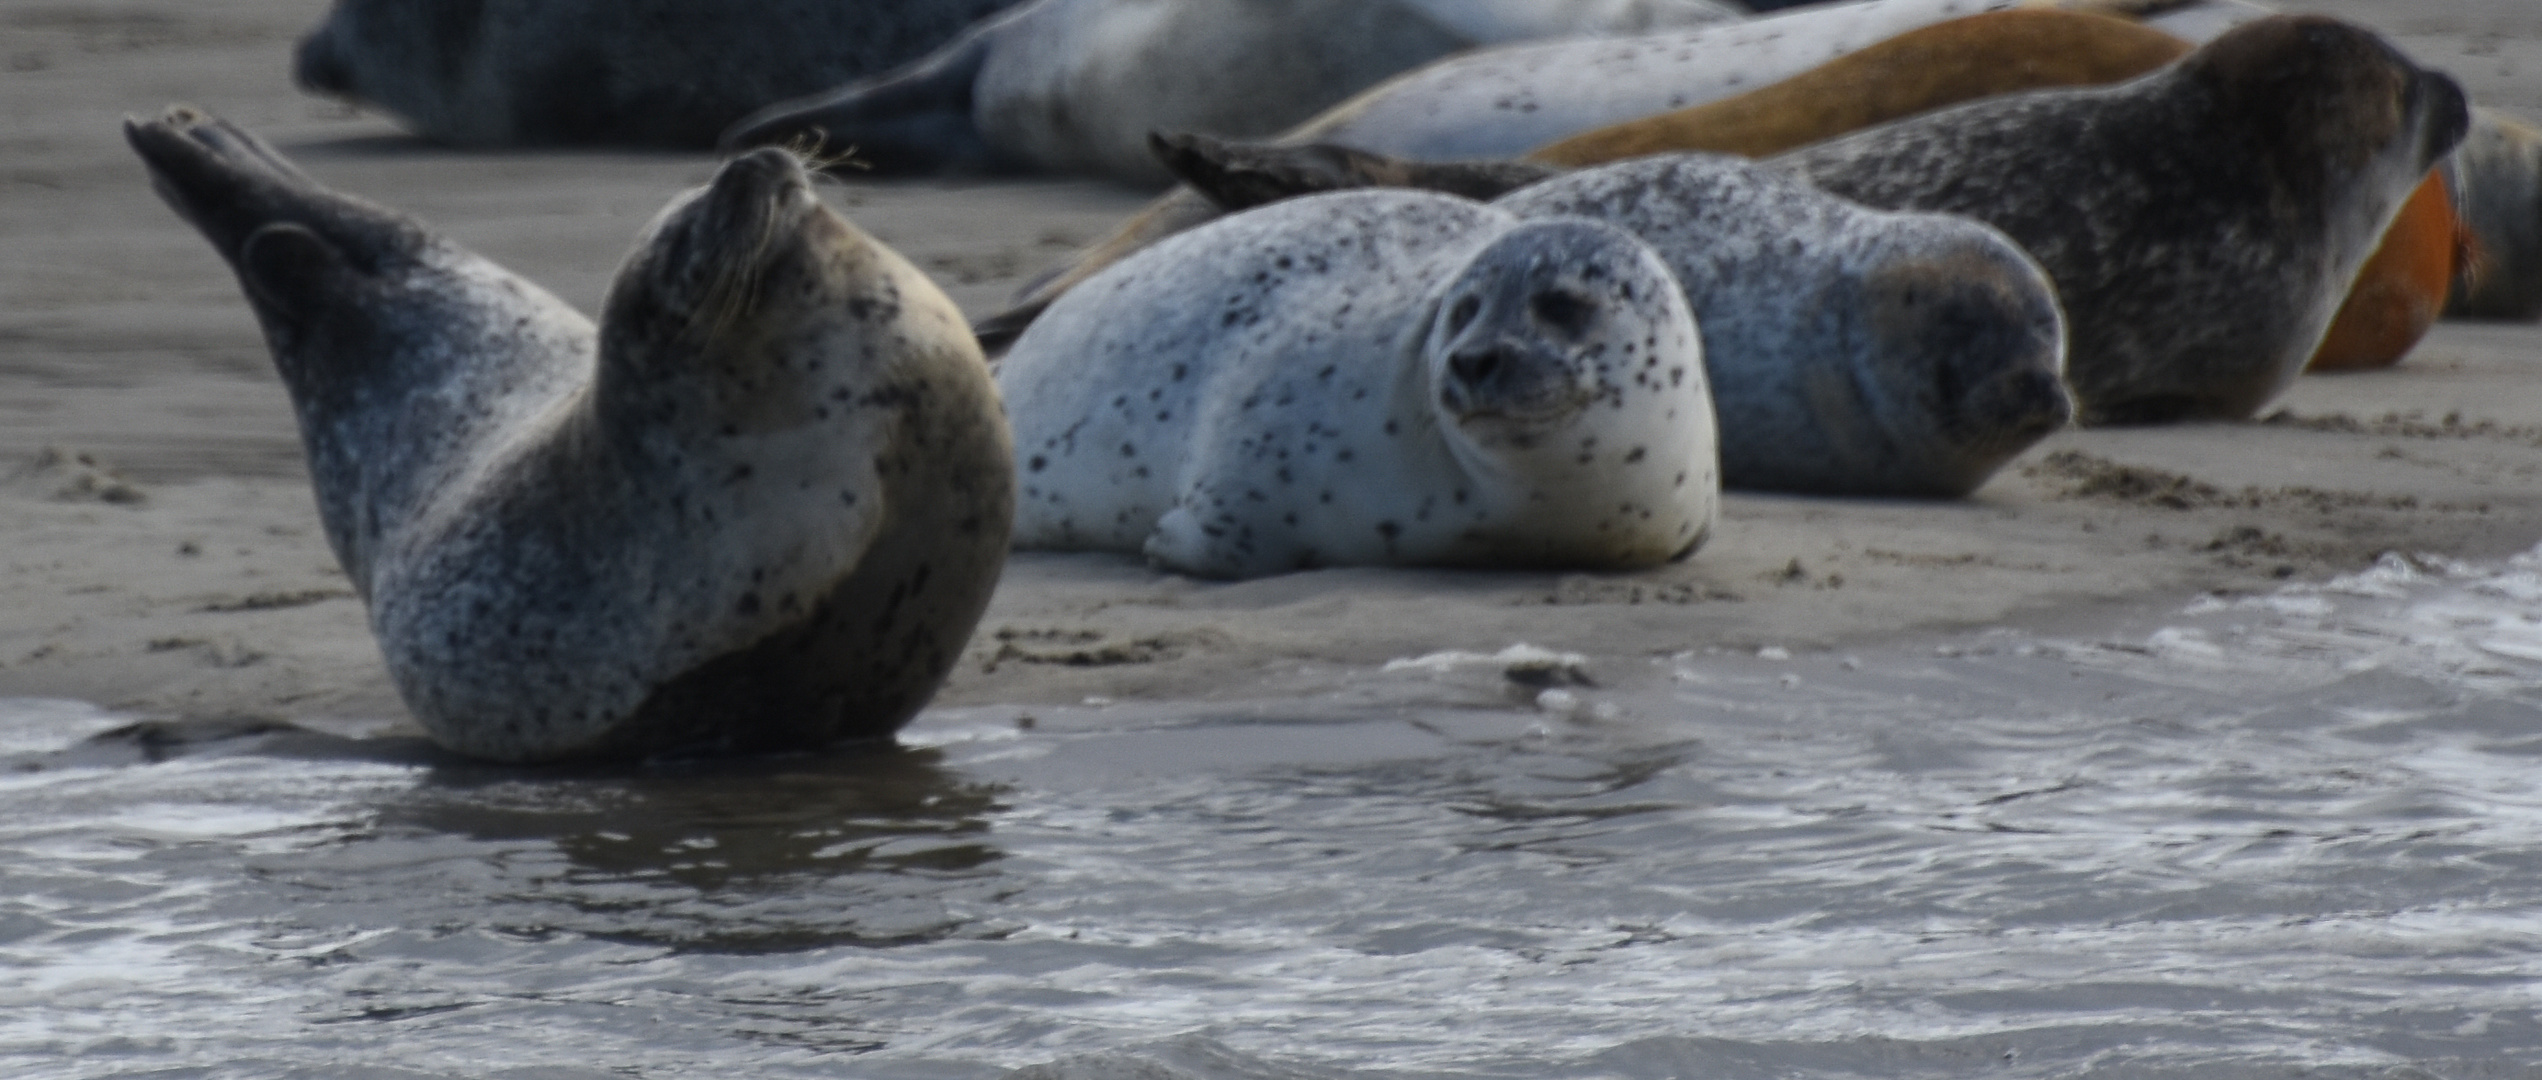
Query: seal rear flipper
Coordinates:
[914,120]
[1240,176]
[229,185]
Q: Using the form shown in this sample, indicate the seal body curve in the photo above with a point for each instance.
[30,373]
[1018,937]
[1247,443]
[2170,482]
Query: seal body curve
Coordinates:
[760,508]
[2201,223]
[616,72]
[1850,351]
[1076,86]
[1369,377]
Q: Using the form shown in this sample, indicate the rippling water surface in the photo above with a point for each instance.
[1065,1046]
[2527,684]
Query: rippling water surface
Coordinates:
[2292,835]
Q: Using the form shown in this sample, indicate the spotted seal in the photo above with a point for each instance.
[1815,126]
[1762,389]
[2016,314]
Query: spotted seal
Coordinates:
[2296,137]
[761,506]
[1369,377]
[1075,86]
[1849,351]
[1513,100]
[622,72]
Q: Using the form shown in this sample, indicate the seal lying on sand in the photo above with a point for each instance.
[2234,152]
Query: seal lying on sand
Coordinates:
[2498,176]
[625,72]
[762,507]
[2202,223]
[2299,138]
[1077,85]
[1515,100]
[1850,351]
[1369,377]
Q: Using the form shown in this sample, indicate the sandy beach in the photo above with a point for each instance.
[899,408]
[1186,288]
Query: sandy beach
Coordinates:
[160,554]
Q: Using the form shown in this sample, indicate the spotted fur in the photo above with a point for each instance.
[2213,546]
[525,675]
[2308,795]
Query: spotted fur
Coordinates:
[761,506]
[1369,377]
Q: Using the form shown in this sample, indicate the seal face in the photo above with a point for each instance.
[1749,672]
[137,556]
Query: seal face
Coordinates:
[1369,377]
[626,72]
[1077,85]
[2201,223]
[1849,351]
[761,507]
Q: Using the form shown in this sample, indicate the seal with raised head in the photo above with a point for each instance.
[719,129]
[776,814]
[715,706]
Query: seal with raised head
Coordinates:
[1075,86]
[619,72]
[1504,102]
[761,507]
[1369,377]
[2202,223]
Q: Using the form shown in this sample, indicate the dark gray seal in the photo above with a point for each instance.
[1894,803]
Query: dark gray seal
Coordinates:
[620,72]
[761,507]
[2202,223]
[1076,85]
[1369,377]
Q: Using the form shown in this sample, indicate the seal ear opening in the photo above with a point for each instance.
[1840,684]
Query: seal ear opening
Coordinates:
[290,269]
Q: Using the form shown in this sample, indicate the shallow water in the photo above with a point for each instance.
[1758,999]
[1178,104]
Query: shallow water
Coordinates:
[2292,835]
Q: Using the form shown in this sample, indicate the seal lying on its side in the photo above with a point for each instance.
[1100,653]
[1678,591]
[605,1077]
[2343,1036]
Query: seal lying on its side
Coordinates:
[2202,223]
[1077,85]
[624,72]
[1369,377]
[1503,102]
[1850,351]
[761,508]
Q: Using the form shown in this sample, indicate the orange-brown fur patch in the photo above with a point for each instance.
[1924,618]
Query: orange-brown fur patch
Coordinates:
[1961,60]
[2400,290]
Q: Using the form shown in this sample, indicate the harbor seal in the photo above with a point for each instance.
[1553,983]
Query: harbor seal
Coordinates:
[2497,178]
[1075,86]
[2391,305]
[760,507]
[1519,99]
[2296,138]
[1849,351]
[1369,377]
[623,72]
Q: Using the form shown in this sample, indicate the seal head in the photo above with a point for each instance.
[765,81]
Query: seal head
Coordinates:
[1369,377]
[2202,223]
[760,508]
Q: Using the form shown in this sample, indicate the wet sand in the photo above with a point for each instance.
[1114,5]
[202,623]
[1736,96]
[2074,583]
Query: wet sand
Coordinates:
[159,552]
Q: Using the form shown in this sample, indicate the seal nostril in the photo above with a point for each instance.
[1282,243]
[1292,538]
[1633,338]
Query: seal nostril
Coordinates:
[1475,367]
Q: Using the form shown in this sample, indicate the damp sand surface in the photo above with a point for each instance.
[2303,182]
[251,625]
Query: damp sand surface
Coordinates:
[1232,842]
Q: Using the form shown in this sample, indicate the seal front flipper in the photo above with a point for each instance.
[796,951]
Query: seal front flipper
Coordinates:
[914,120]
[1240,176]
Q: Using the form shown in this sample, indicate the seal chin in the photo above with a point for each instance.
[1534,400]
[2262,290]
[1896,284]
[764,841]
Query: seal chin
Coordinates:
[318,65]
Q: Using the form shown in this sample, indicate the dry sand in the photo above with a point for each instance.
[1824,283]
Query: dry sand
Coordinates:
[159,551]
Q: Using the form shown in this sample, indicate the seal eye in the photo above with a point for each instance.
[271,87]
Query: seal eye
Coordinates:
[1561,310]
[1462,315]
